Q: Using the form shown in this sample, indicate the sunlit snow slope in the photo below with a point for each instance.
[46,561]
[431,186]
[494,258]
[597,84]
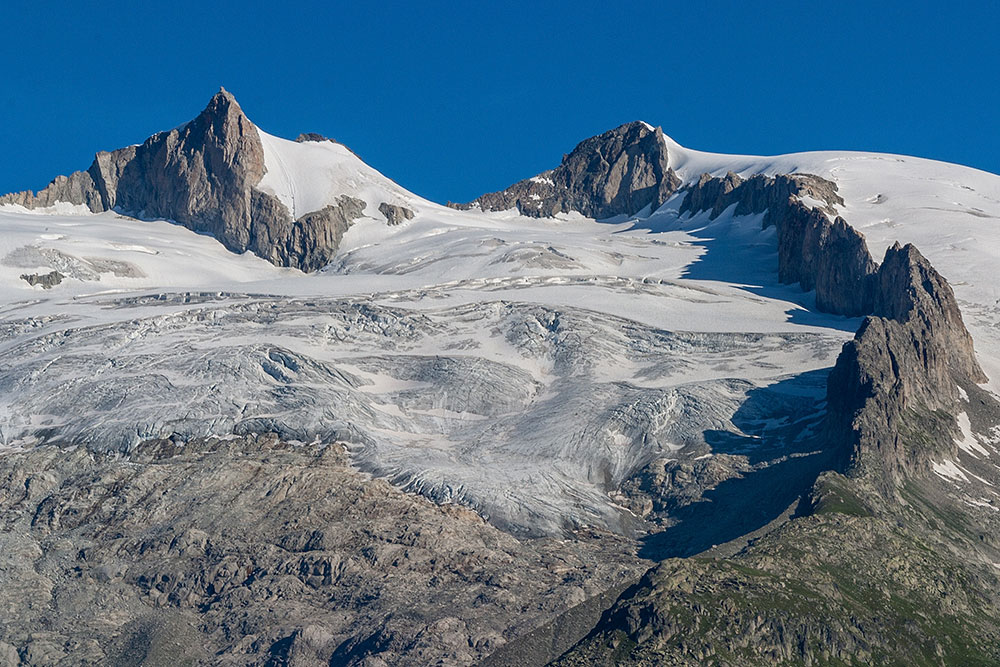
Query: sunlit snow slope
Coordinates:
[525,367]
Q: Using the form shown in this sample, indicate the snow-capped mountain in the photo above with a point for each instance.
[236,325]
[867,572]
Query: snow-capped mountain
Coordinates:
[218,345]
[525,366]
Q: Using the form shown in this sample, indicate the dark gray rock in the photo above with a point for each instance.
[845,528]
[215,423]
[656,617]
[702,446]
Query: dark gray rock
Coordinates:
[200,175]
[757,194]
[822,254]
[312,136]
[106,171]
[46,280]
[912,291]
[619,172]
[395,215]
[308,243]
[254,551]
[825,255]
[893,392]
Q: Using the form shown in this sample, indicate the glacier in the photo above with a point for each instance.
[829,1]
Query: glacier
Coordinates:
[523,367]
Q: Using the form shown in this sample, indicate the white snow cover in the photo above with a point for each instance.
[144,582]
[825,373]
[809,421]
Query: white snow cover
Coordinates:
[306,176]
[518,365]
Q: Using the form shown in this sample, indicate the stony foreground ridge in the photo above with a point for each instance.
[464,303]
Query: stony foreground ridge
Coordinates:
[621,171]
[255,551]
[203,175]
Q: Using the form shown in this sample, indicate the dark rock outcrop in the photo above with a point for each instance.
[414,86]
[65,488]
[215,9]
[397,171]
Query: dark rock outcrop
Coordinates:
[251,551]
[203,175]
[395,215]
[822,254]
[307,243]
[840,583]
[832,589]
[895,383]
[828,256]
[46,280]
[200,175]
[621,171]
[893,392]
[758,194]
[312,136]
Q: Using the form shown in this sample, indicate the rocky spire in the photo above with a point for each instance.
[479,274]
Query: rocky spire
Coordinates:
[200,174]
[893,393]
[203,175]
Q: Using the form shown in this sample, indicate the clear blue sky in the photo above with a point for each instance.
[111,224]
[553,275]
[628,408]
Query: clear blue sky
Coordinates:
[455,99]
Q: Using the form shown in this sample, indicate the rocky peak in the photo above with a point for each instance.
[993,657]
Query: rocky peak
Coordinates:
[912,291]
[204,176]
[619,172]
[199,174]
[223,124]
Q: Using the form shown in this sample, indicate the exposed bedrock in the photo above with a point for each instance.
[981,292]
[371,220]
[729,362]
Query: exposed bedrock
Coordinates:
[797,595]
[893,393]
[203,175]
[308,243]
[254,551]
[77,188]
[395,215]
[621,171]
[46,280]
[757,194]
[828,256]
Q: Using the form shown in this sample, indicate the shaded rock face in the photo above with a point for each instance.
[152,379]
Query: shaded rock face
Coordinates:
[893,394]
[200,175]
[840,583]
[310,242]
[203,175]
[395,215]
[828,256]
[912,292]
[620,172]
[757,194]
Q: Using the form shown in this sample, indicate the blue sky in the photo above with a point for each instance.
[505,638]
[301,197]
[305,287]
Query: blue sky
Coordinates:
[455,99]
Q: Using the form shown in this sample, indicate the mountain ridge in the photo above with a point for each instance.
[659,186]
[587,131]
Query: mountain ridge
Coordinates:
[205,175]
[473,428]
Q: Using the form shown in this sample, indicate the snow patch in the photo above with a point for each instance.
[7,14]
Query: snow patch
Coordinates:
[969,442]
[949,470]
